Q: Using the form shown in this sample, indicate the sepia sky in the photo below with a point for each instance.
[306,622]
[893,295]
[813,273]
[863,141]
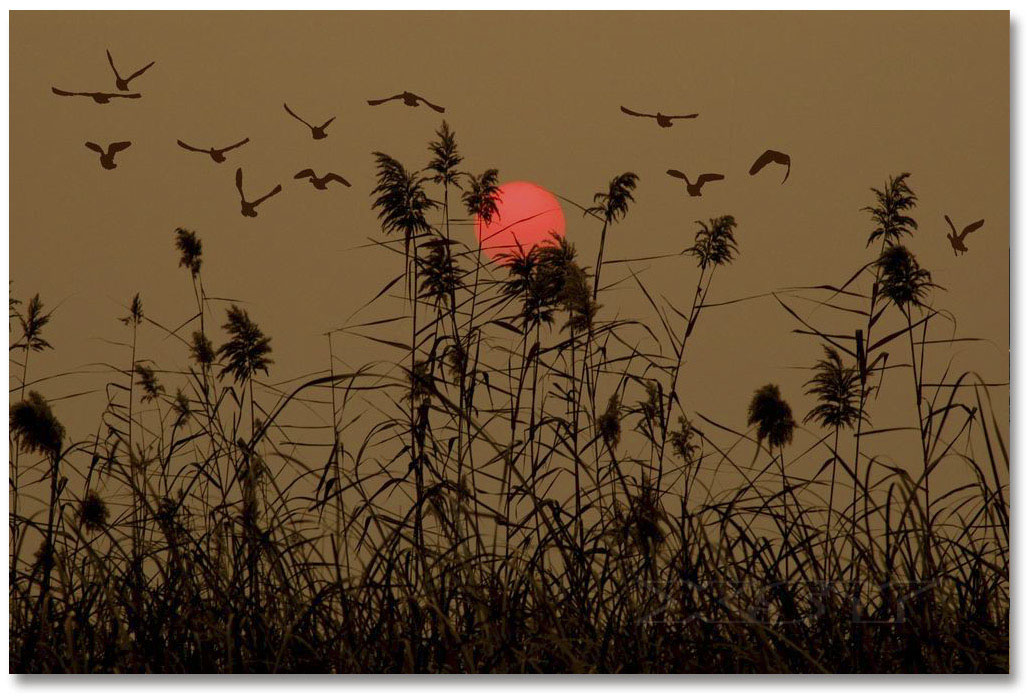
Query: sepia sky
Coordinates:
[852,97]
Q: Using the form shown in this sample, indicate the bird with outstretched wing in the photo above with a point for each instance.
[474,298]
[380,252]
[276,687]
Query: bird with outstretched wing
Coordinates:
[98,97]
[317,132]
[122,83]
[663,120]
[410,99]
[957,241]
[772,156]
[249,208]
[321,183]
[694,188]
[216,154]
[107,157]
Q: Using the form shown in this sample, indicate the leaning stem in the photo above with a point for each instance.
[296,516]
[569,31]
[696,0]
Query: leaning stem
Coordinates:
[580,532]
[531,437]
[48,561]
[924,446]
[133,478]
[599,261]
[860,423]
[699,297]
[512,460]
[337,473]
[785,504]
[419,478]
[831,498]
[250,495]
[16,528]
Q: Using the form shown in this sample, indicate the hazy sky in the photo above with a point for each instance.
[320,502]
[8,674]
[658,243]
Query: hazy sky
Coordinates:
[852,97]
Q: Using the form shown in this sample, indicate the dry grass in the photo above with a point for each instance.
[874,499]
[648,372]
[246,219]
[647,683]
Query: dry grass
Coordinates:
[519,489]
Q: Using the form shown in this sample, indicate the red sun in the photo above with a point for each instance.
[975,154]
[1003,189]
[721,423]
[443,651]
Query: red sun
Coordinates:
[529,215]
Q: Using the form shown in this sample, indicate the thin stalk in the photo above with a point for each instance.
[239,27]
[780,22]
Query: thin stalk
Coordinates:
[599,261]
[532,452]
[924,444]
[48,559]
[15,488]
[337,472]
[579,528]
[419,475]
[133,475]
[699,298]
[831,499]
[864,375]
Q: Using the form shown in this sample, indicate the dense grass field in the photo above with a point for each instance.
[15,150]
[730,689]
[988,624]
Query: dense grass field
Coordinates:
[508,478]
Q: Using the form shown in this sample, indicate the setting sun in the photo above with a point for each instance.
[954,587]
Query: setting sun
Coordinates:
[528,215]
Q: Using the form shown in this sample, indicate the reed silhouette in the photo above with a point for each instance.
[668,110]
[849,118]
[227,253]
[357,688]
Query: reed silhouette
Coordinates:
[611,206]
[893,202]
[513,476]
[840,399]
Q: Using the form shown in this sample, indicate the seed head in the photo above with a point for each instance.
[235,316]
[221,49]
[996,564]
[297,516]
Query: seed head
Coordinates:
[608,424]
[202,350]
[772,415]
[36,427]
[191,249]
[93,513]
[152,388]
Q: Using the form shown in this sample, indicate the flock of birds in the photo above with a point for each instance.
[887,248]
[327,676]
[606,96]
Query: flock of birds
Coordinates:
[695,188]
[248,208]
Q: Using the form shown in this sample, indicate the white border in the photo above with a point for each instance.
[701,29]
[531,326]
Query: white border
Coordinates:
[726,686]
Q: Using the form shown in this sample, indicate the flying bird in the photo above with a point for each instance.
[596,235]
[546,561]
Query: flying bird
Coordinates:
[769,156]
[410,99]
[122,83]
[217,154]
[320,183]
[957,241]
[98,97]
[663,120]
[107,158]
[317,132]
[694,188]
[249,208]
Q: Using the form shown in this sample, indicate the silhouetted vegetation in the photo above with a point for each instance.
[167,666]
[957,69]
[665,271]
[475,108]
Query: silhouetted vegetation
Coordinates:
[511,480]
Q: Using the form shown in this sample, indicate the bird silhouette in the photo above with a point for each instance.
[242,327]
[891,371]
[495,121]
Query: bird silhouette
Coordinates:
[122,83]
[957,241]
[217,154]
[249,208]
[320,183]
[107,158]
[663,120]
[98,97]
[769,156]
[694,188]
[317,132]
[410,99]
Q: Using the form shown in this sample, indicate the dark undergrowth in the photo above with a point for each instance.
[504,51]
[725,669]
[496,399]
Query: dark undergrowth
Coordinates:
[514,483]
